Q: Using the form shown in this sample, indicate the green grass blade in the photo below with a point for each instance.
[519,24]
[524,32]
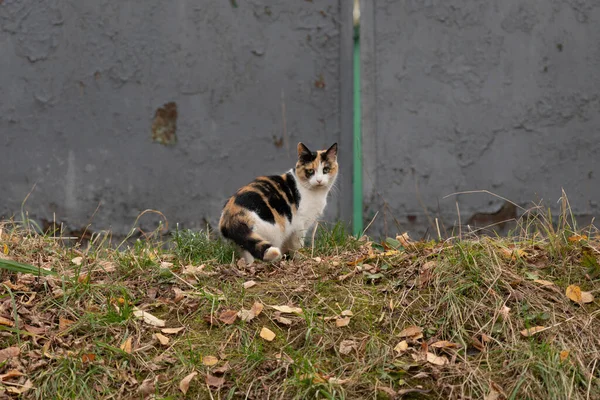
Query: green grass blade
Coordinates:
[14,266]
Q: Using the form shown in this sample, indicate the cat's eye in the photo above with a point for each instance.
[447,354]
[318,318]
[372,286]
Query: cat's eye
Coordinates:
[310,172]
[326,170]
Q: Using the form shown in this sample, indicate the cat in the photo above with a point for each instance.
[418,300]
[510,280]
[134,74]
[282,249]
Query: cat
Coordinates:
[270,216]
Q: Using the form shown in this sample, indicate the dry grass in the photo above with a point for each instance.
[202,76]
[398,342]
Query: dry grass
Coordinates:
[77,335]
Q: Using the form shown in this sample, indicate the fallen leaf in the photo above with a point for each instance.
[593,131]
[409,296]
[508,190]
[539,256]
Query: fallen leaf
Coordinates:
[126,346]
[411,332]
[504,311]
[249,284]
[577,238]
[210,319]
[287,309]
[347,313]
[13,373]
[405,240]
[215,381]
[107,266]
[444,344]
[147,386]
[317,259]
[209,361]
[6,322]
[249,315]
[282,320]
[77,260]
[89,357]
[64,323]
[543,282]
[532,331]
[222,369]
[149,318]
[228,317]
[338,381]
[184,385]
[166,265]
[346,346]
[564,355]
[172,330]
[436,360]
[162,339]
[401,347]
[340,322]
[586,297]
[575,293]
[387,390]
[267,334]
[493,395]
[179,294]
[20,390]
[257,308]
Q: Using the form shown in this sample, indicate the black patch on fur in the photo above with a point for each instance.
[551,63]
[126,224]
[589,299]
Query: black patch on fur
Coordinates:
[290,181]
[241,234]
[274,197]
[254,202]
[307,158]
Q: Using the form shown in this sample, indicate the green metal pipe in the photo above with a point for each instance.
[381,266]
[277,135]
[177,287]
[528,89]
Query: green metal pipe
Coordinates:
[357,185]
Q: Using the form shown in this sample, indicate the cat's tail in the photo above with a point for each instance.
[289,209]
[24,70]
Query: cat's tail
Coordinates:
[237,229]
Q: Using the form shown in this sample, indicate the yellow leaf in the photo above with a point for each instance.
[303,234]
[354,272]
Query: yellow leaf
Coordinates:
[573,292]
[209,361]
[6,322]
[401,347]
[267,334]
[532,331]
[543,282]
[184,385]
[126,346]
[411,332]
[5,250]
[171,330]
[340,322]
[288,309]
[444,344]
[577,238]
[162,339]
[436,360]
[249,284]
[149,318]
[564,354]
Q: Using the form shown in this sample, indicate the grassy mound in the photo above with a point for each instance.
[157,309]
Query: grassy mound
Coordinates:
[470,317]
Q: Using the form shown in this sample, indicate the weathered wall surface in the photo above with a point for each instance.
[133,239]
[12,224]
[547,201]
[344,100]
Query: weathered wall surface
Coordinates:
[80,82]
[499,95]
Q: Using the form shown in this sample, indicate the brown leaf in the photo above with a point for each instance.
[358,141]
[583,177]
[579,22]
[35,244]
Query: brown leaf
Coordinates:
[172,330]
[249,315]
[228,317]
[387,390]
[222,369]
[444,344]
[504,311]
[287,309]
[147,386]
[346,346]
[532,331]
[282,320]
[267,334]
[6,322]
[209,361]
[340,322]
[249,284]
[257,308]
[35,330]
[149,318]
[126,346]
[13,373]
[20,390]
[564,355]
[88,357]
[107,266]
[543,282]
[209,319]
[347,313]
[179,294]
[9,352]
[401,347]
[411,332]
[214,381]
[162,339]
[64,323]
[184,385]
[436,360]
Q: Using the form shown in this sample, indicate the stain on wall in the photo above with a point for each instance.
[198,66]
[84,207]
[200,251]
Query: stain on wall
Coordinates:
[81,82]
[496,95]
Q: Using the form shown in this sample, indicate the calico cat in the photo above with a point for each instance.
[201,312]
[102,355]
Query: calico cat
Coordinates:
[270,216]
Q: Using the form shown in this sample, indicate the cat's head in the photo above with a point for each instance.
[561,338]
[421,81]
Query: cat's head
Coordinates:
[317,169]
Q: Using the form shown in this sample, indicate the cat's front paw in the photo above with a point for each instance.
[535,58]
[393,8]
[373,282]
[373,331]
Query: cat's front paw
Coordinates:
[272,254]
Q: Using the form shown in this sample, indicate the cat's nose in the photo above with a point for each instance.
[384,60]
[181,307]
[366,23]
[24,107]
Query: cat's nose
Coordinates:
[319,180]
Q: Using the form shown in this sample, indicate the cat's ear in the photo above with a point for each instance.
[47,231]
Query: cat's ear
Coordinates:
[303,151]
[332,152]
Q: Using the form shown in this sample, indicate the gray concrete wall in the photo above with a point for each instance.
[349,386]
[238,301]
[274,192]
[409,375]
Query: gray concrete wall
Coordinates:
[80,82]
[499,95]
